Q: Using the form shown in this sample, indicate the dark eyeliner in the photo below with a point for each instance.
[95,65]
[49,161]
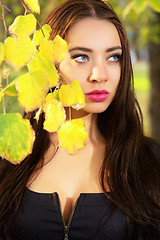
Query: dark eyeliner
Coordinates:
[118,55]
[79,55]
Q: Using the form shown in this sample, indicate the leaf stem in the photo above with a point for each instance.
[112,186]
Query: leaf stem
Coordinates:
[70,114]
[64,78]
[26,10]
[3,19]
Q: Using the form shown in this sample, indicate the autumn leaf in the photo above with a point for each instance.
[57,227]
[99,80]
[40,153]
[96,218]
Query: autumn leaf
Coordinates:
[57,49]
[72,135]
[18,51]
[40,63]
[11,90]
[33,5]
[1,52]
[32,88]
[72,95]
[23,25]
[16,137]
[40,34]
[54,113]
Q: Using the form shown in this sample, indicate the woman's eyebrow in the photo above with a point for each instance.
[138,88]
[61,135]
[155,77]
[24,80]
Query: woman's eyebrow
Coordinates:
[90,50]
[81,49]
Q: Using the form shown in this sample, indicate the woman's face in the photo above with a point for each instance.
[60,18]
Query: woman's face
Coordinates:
[93,59]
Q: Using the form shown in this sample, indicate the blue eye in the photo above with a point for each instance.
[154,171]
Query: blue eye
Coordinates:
[114,58]
[80,58]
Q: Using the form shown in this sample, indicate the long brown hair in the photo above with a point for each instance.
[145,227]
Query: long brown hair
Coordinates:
[130,167]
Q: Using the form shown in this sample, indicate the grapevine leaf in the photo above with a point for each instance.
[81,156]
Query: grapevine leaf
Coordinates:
[40,63]
[18,51]
[16,137]
[72,95]
[11,90]
[54,114]
[32,88]
[33,5]
[23,25]
[39,35]
[57,49]
[1,52]
[72,135]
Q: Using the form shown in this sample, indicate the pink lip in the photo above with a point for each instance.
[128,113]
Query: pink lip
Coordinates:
[97,95]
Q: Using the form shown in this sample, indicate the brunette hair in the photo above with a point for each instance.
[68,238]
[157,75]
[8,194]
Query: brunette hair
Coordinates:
[130,167]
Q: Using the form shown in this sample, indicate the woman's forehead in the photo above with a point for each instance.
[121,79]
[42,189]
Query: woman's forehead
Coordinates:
[93,31]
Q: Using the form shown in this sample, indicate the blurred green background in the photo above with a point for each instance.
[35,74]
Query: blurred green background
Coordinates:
[141,19]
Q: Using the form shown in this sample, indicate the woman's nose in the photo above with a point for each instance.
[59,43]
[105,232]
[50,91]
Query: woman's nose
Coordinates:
[98,73]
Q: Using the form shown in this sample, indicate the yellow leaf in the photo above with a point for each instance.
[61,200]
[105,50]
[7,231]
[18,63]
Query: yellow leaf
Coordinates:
[72,135]
[57,49]
[23,25]
[72,95]
[40,63]
[54,113]
[33,5]
[18,51]
[16,137]
[32,88]
[1,94]
[39,35]
[43,49]
[1,52]
[10,90]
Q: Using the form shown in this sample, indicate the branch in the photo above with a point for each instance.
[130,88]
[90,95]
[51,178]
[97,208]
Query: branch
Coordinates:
[3,18]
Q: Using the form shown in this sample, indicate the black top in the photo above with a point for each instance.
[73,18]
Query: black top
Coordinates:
[94,218]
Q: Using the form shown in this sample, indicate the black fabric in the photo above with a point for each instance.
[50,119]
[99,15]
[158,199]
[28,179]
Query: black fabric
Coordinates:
[94,218]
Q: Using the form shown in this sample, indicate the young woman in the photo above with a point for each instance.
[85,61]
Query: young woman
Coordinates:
[110,190]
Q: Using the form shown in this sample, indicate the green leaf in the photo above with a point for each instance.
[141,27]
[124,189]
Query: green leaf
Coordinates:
[16,137]
[155,4]
[140,5]
[23,25]
[55,94]
[33,5]
[11,90]
[32,88]
[39,35]
[128,8]
[1,52]
[18,51]
[41,63]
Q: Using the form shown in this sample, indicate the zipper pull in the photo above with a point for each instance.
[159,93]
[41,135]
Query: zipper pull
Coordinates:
[66,231]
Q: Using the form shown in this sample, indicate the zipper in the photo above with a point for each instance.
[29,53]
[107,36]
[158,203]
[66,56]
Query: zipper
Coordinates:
[67,227]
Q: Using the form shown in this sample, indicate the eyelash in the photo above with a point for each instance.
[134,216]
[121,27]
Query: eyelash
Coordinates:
[79,55]
[117,55]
